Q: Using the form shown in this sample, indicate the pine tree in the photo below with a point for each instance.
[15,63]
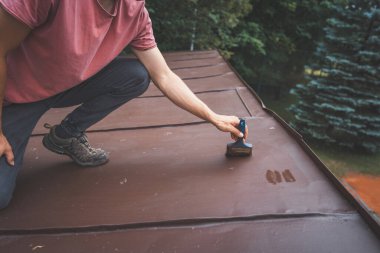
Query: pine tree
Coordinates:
[341,105]
[279,38]
[181,25]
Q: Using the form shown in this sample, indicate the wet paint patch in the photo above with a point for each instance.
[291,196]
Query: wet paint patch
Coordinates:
[276,177]
[288,176]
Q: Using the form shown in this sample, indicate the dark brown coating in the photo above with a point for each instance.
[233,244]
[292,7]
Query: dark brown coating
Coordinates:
[167,173]
[307,234]
[204,84]
[148,112]
[169,187]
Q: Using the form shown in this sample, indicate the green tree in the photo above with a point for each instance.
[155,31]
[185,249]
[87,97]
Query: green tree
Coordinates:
[342,105]
[181,25]
[268,41]
[281,37]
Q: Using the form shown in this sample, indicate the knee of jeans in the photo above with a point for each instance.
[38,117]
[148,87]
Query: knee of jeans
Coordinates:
[134,79]
[142,79]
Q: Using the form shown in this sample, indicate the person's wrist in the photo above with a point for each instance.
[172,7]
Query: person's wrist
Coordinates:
[213,118]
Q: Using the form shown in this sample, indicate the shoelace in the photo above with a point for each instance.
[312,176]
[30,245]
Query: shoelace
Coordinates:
[83,140]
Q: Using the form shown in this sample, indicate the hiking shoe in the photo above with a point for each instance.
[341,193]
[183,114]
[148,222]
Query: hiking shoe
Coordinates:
[77,148]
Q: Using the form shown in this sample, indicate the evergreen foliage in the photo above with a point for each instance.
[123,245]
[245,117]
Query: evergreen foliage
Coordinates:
[342,105]
[205,24]
[268,41]
[286,33]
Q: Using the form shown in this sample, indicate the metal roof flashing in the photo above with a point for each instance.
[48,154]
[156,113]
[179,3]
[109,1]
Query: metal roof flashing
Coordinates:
[170,188]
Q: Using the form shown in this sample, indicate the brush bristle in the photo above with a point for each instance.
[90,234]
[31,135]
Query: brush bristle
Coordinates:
[245,150]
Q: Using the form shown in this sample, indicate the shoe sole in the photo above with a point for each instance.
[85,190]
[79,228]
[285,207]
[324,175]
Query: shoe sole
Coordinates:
[48,144]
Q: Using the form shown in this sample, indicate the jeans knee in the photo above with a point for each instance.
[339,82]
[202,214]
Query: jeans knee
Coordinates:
[142,78]
[133,78]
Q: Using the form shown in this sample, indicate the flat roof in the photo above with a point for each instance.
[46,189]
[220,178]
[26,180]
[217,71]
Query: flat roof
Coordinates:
[170,188]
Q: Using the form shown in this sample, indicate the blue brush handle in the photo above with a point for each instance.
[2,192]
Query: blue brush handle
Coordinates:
[242,125]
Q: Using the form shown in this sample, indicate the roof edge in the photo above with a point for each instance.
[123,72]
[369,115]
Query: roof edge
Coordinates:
[371,219]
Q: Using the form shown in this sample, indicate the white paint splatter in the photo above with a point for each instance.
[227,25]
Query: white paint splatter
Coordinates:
[38,247]
[124,181]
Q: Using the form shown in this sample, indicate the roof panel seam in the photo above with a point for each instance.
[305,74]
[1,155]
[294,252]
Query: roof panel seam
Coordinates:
[198,92]
[204,77]
[174,223]
[199,66]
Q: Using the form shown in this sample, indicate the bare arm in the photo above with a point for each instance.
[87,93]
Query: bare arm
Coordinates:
[178,92]
[12,32]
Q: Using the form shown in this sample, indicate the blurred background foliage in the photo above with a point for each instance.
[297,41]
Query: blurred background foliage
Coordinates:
[342,106]
[193,24]
[268,41]
[320,58]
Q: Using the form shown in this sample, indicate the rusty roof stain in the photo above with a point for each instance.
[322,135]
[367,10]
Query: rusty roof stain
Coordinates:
[170,188]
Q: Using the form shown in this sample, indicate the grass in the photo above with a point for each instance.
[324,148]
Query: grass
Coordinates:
[339,161]
[280,106]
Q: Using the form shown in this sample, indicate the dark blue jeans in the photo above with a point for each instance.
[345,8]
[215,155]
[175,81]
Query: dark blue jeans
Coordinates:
[116,84]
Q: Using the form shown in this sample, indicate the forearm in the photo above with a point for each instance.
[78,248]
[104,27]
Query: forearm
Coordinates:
[177,91]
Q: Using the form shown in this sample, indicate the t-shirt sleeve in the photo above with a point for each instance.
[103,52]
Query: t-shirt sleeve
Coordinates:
[33,13]
[145,37]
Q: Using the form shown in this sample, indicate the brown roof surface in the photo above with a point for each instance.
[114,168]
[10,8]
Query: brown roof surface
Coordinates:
[170,188]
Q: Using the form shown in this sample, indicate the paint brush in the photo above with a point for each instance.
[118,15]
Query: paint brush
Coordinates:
[240,147]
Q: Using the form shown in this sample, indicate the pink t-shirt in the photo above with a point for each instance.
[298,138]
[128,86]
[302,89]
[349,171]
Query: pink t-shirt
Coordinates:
[71,40]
